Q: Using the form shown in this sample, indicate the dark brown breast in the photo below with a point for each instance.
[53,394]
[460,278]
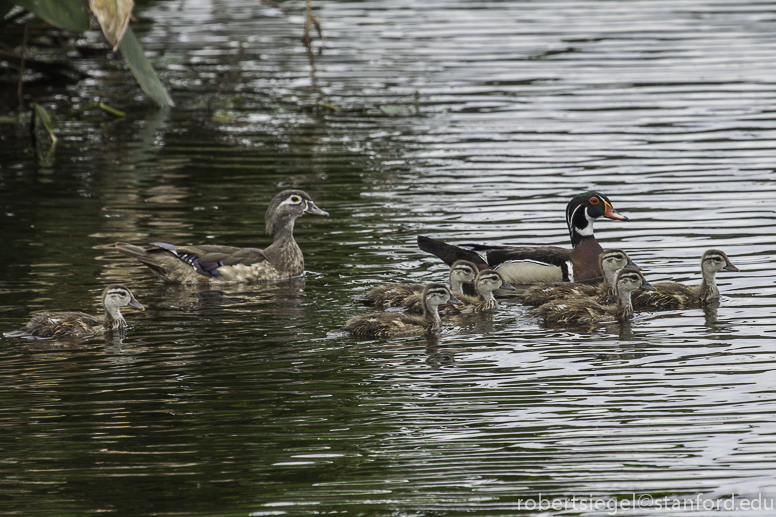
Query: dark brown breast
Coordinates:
[586,261]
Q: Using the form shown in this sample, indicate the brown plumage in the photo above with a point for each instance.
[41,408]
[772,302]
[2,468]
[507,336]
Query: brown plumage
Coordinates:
[79,324]
[612,260]
[387,324]
[395,295]
[587,310]
[529,265]
[673,295]
[217,264]
[487,281]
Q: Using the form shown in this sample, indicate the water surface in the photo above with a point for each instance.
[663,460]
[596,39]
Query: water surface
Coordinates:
[460,122]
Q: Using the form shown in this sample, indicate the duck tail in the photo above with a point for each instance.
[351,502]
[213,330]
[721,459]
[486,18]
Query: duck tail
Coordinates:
[448,252]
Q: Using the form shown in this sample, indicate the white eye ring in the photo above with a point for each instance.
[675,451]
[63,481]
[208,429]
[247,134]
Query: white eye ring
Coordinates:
[296,199]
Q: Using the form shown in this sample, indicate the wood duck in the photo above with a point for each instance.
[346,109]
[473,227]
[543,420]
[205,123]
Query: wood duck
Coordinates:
[673,295]
[528,265]
[79,324]
[612,260]
[582,310]
[387,324]
[212,263]
[395,295]
[486,283]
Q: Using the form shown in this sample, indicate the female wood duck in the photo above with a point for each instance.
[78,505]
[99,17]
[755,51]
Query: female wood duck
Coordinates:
[612,260]
[673,295]
[79,324]
[388,324]
[213,263]
[581,310]
[528,265]
[486,283]
[396,295]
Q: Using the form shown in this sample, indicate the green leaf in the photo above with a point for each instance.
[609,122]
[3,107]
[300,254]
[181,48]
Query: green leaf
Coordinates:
[68,14]
[113,16]
[111,110]
[45,119]
[142,70]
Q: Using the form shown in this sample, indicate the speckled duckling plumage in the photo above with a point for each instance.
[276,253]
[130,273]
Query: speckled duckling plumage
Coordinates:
[217,264]
[571,311]
[612,260]
[462,272]
[673,295]
[392,324]
[485,284]
[80,324]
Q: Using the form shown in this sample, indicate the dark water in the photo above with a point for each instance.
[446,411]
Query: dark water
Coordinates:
[458,121]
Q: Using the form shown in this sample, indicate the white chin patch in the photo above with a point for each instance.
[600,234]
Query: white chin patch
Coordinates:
[588,230]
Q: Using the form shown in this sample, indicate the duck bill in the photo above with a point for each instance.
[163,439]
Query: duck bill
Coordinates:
[313,209]
[647,286]
[633,265]
[611,213]
[136,304]
[508,287]
[731,267]
[455,300]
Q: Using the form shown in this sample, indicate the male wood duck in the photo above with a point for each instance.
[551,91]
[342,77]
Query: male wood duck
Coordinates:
[585,310]
[212,263]
[528,265]
[612,260]
[487,281]
[395,295]
[673,295]
[388,324]
[79,324]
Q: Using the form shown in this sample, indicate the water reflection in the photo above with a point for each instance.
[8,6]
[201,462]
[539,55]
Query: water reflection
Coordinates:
[465,123]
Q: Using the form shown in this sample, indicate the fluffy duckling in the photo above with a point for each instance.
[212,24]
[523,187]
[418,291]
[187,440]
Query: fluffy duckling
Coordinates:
[211,263]
[673,295]
[388,324]
[485,284]
[396,295]
[79,324]
[612,260]
[586,310]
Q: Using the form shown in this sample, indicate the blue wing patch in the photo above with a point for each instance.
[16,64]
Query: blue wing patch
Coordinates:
[203,268]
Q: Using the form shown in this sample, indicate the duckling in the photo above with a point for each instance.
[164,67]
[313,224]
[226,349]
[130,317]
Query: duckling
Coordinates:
[389,324]
[79,324]
[587,310]
[487,281]
[612,260]
[218,264]
[395,295]
[673,295]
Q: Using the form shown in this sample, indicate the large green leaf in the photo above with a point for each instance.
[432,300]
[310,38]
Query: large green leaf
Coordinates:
[142,70]
[68,14]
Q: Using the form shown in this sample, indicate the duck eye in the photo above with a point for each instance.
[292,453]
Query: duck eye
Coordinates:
[296,199]
[594,201]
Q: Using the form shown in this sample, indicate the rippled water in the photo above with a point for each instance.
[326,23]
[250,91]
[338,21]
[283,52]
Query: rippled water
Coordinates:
[465,123]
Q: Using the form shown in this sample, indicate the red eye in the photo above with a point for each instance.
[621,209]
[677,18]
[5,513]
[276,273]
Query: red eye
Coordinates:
[594,201]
